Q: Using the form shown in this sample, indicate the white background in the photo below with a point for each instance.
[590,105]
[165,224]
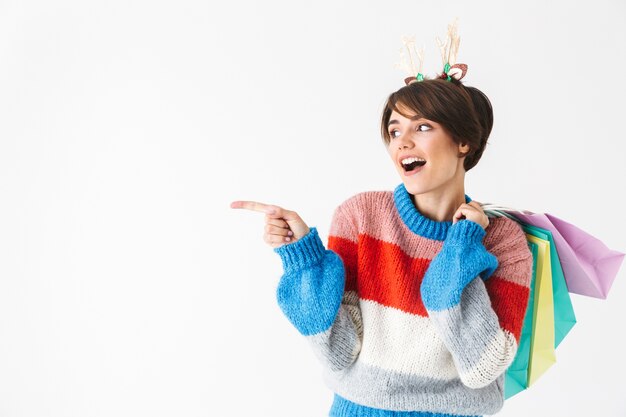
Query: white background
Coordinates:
[129,287]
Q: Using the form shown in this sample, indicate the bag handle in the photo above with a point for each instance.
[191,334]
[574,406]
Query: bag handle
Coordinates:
[496,210]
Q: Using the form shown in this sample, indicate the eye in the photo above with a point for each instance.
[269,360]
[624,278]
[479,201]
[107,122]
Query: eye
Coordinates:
[393,132]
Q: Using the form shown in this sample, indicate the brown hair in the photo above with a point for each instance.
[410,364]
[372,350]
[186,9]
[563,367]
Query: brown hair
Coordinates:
[464,112]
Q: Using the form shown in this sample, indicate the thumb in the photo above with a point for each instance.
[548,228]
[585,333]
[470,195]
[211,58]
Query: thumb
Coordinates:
[459,214]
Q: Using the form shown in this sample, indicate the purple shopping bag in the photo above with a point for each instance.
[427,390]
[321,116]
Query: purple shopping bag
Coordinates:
[589,266]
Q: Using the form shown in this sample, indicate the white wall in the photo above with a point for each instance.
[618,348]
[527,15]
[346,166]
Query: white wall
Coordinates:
[128,286]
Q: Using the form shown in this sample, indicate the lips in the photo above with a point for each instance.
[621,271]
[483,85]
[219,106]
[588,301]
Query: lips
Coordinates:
[414,171]
[403,157]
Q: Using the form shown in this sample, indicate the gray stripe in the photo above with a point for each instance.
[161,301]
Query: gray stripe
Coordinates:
[375,387]
[338,346]
[461,325]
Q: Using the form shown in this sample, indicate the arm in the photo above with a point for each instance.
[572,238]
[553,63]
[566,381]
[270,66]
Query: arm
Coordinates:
[482,341]
[311,292]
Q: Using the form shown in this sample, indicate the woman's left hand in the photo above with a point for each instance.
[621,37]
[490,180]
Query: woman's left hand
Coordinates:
[472,211]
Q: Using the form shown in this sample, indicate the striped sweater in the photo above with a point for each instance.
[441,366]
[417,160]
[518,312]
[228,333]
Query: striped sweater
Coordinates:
[409,316]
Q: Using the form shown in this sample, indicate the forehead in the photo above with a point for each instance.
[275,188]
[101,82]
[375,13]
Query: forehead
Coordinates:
[396,118]
[403,111]
[401,116]
[407,117]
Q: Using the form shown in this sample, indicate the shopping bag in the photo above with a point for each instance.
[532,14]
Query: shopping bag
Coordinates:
[564,316]
[589,266]
[516,375]
[542,354]
[592,268]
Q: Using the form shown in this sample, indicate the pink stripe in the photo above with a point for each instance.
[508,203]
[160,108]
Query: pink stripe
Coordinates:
[506,239]
[386,225]
[503,235]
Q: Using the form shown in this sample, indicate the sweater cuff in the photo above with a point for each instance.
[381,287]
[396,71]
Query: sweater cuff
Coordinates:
[465,231]
[303,253]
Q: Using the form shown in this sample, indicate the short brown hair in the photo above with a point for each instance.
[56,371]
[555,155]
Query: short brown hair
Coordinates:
[464,112]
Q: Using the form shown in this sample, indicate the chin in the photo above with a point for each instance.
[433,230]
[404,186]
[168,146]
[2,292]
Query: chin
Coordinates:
[416,184]
[413,188]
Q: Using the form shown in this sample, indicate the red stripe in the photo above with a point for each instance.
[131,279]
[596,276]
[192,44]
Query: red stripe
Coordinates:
[389,276]
[385,273]
[347,251]
[509,300]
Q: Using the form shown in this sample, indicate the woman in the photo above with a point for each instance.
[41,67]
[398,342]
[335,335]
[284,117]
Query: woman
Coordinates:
[416,307]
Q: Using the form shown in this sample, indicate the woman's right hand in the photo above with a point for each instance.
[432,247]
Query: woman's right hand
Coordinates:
[282,226]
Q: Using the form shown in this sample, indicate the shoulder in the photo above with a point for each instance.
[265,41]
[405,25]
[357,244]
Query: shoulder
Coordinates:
[504,229]
[365,202]
[359,209]
[506,239]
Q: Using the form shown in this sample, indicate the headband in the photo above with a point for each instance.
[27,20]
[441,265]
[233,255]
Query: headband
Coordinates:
[449,50]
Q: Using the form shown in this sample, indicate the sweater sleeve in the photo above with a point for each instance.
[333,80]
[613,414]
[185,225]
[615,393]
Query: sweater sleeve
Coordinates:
[460,299]
[311,294]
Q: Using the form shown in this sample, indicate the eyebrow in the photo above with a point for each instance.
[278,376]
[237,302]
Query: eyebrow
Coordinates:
[395,122]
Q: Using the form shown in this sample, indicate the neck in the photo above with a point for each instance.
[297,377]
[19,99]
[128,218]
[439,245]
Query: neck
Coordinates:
[440,205]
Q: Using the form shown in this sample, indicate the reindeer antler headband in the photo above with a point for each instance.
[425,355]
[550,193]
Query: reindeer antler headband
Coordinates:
[449,51]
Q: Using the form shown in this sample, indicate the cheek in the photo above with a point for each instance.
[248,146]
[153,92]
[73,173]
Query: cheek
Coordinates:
[436,152]
[443,159]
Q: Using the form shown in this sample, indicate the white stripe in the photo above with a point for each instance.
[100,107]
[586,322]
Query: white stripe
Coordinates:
[496,358]
[398,341]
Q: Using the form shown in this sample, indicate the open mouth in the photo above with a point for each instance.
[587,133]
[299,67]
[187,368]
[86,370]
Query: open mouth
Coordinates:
[413,165]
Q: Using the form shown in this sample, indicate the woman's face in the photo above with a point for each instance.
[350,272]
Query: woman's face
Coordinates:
[427,140]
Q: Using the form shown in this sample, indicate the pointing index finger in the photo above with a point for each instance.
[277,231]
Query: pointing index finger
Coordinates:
[252,205]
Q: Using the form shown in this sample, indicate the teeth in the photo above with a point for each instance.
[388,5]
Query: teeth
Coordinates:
[407,161]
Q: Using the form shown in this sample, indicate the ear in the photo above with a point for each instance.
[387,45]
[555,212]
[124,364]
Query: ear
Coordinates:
[464,148]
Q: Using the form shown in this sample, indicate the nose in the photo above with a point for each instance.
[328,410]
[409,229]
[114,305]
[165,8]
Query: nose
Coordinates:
[404,141]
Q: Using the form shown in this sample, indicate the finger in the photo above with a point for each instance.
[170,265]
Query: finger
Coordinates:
[462,211]
[277,231]
[469,207]
[274,243]
[253,205]
[457,214]
[282,213]
[464,207]
[276,239]
[276,222]
[476,204]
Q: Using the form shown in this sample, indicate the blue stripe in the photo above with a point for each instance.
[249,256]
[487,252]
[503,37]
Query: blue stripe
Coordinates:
[415,221]
[345,408]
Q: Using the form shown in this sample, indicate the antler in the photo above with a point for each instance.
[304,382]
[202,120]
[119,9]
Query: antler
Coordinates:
[409,65]
[449,51]
[450,48]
